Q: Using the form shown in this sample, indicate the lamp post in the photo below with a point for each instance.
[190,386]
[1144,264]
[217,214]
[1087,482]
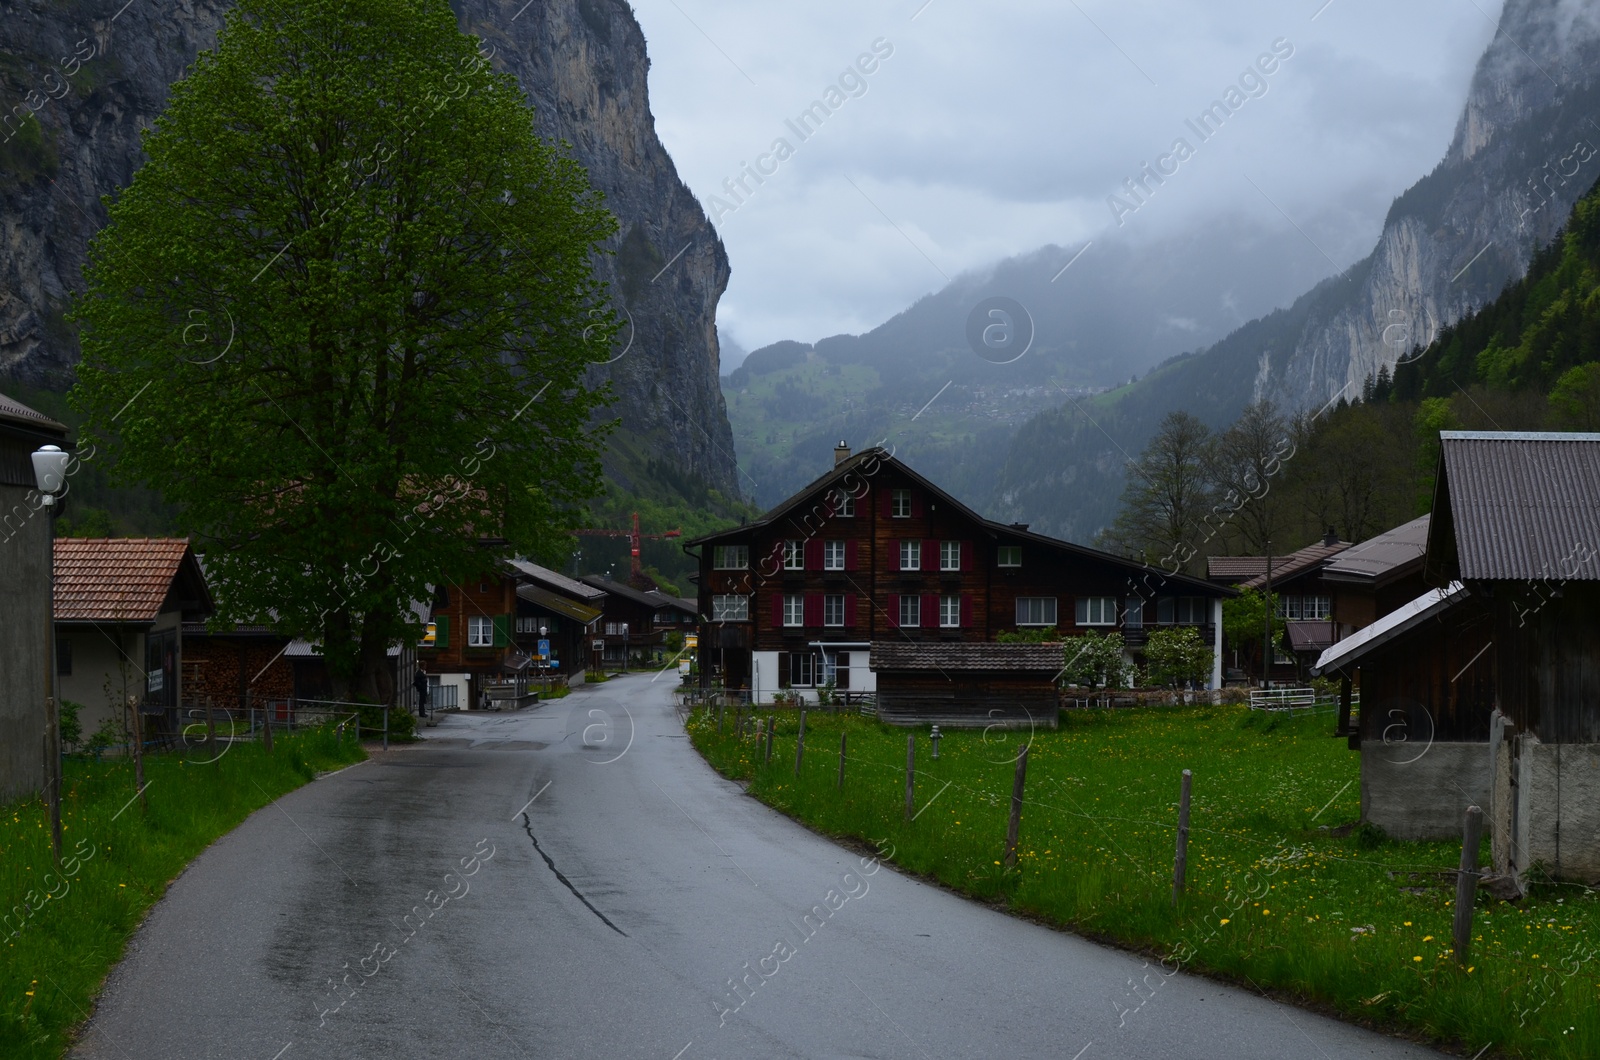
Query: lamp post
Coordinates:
[544,659]
[50,475]
[935,736]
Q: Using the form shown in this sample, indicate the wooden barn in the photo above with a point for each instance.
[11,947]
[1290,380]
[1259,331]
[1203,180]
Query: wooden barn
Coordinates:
[966,684]
[1499,682]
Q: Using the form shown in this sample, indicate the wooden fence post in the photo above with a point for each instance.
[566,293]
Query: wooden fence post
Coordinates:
[211,731]
[266,725]
[738,721]
[1343,728]
[722,710]
[911,773]
[1467,882]
[138,753]
[770,722]
[841,761]
[800,744]
[1016,807]
[1180,859]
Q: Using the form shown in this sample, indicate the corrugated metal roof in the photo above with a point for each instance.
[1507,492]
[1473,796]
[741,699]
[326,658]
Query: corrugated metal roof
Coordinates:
[1350,650]
[559,604]
[1378,557]
[1309,635]
[114,579]
[1524,506]
[559,582]
[1286,567]
[11,408]
[935,656]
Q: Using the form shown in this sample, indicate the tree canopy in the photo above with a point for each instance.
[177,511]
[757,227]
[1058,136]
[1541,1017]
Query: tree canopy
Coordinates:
[342,317]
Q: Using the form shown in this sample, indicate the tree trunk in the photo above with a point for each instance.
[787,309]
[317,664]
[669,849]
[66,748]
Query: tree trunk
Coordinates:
[374,678]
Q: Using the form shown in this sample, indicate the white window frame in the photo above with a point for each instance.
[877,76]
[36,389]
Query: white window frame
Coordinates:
[910,554]
[730,557]
[730,607]
[1008,552]
[833,555]
[833,610]
[949,612]
[844,504]
[480,631]
[794,610]
[910,609]
[900,504]
[950,555]
[1047,612]
[806,663]
[1095,610]
[794,555]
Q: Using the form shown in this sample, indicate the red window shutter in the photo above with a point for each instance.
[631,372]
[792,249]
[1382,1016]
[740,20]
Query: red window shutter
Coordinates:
[894,610]
[930,554]
[966,612]
[886,505]
[850,611]
[813,554]
[777,610]
[930,611]
[852,555]
[966,558]
[813,607]
[894,555]
[916,504]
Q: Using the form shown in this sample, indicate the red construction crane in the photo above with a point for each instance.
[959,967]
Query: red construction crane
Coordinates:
[634,537]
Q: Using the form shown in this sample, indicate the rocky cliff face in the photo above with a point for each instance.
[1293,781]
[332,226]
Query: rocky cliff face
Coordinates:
[1526,147]
[81,79]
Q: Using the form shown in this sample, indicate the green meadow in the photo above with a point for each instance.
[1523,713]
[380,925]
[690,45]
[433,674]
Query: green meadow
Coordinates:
[1285,893]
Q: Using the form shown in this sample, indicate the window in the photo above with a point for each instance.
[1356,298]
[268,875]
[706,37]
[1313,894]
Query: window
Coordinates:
[1010,556]
[794,555]
[480,631]
[1036,610]
[833,555]
[1097,611]
[910,611]
[63,657]
[1181,610]
[950,612]
[730,609]
[900,504]
[833,610]
[1304,608]
[794,610]
[949,555]
[844,504]
[529,624]
[802,670]
[911,555]
[730,557]
[616,629]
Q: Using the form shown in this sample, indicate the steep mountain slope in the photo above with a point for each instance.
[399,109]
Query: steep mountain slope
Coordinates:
[1525,148]
[90,74]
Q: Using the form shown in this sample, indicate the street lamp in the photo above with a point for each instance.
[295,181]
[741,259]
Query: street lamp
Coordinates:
[544,659]
[50,475]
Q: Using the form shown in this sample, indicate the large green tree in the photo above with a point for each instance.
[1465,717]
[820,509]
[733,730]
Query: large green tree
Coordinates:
[1168,495]
[342,317]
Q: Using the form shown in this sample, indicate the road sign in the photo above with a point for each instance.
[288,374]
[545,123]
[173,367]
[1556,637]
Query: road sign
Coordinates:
[544,649]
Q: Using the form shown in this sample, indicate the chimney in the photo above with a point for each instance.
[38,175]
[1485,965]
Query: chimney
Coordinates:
[841,453]
[1330,538]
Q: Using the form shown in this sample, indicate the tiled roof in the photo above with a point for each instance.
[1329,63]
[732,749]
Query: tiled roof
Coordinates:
[115,579]
[11,408]
[1234,568]
[935,656]
[1522,506]
[1378,557]
[1286,567]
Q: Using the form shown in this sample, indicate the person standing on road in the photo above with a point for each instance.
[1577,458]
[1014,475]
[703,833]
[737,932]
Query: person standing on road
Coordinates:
[419,681]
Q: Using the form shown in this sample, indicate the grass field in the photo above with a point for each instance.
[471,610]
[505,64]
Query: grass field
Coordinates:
[64,929]
[1283,894]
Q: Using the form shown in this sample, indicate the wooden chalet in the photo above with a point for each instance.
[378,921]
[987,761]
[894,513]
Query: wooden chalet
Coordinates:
[1495,674]
[635,623]
[1304,603]
[967,684]
[1377,577]
[25,559]
[872,552]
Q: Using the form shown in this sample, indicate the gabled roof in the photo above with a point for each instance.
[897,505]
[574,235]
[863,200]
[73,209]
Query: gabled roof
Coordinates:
[561,605]
[964,655]
[1349,652]
[556,582]
[1001,531]
[125,579]
[1518,506]
[1379,559]
[1294,564]
[15,411]
[682,603]
[624,591]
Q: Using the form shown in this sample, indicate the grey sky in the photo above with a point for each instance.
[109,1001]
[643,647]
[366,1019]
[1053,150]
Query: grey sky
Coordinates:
[996,128]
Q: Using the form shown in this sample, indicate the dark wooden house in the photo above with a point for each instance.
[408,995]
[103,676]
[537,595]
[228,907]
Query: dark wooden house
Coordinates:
[635,624]
[873,551]
[1376,577]
[1507,681]
[967,684]
[1304,603]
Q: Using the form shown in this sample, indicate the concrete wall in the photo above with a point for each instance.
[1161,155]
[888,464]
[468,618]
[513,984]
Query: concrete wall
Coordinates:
[24,601]
[1550,815]
[107,667]
[1422,791]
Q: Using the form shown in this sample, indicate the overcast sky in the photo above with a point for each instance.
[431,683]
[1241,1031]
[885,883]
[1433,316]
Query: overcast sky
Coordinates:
[995,128]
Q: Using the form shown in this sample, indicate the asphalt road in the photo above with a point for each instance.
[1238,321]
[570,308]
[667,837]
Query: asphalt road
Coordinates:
[619,914]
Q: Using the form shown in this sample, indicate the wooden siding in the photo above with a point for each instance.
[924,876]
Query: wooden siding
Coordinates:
[1436,683]
[1549,658]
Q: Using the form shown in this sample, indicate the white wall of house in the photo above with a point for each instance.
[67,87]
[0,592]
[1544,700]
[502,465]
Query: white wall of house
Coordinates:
[766,680]
[459,682]
[107,667]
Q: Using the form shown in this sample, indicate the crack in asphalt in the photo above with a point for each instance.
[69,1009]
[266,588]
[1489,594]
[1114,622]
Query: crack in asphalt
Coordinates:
[527,826]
